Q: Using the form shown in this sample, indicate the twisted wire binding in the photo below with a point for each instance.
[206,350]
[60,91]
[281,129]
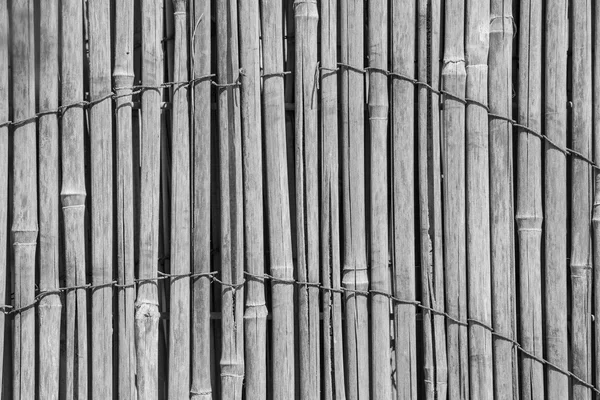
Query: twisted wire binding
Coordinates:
[212,276]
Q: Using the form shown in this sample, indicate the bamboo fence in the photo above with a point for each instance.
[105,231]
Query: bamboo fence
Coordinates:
[265,199]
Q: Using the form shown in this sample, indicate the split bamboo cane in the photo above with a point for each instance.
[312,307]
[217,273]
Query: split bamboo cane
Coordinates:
[146,313]
[529,199]
[403,23]
[4,116]
[201,260]
[123,78]
[333,355]
[501,198]
[596,204]
[581,207]
[232,213]
[73,194]
[435,216]
[424,194]
[555,203]
[179,310]
[25,224]
[280,242]
[378,122]
[307,194]
[255,317]
[353,193]
[453,136]
[50,305]
[101,164]
[478,211]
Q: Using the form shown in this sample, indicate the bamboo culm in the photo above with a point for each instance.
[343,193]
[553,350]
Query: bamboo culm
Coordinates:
[453,161]
[581,202]
[50,306]
[354,276]
[146,306]
[4,101]
[232,212]
[555,202]
[201,257]
[529,215]
[123,76]
[403,23]
[255,316]
[179,308]
[596,203]
[307,194]
[333,354]
[501,198]
[24,207]
[280,240]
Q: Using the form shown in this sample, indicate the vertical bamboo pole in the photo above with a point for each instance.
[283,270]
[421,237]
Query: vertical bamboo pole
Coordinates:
[555,187]
[333,355]
[403,23]
[529,199]
[453,135]
[255,317]
[424,194]
[435,187]
[201,287]
[353,189]
[50,305]
[179,310]
[73,195]
[232,213]
[146,313]
[478,210]
[102,200]
[596,204]
[280,242]
[501,196]
[378,122]
[123,76]
[581,257]
[25,224]
[4,116]
[307,194]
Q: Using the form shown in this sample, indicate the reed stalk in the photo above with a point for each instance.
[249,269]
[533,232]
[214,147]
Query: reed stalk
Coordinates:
[478,200]
[581,207]
[307,194]
[179,293]
[255,317]
[378,123]
[50,306]
[555,202]
[232,213]
[202,144]
[501,196]
[453,162]
[73,194]
[353,193]
[102,201]
[529,199]
[596,203]
[123,75]
[24,224]
[403,23]
[333,354]
[146,306]
[426,254]
[4,116]
[435,187]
